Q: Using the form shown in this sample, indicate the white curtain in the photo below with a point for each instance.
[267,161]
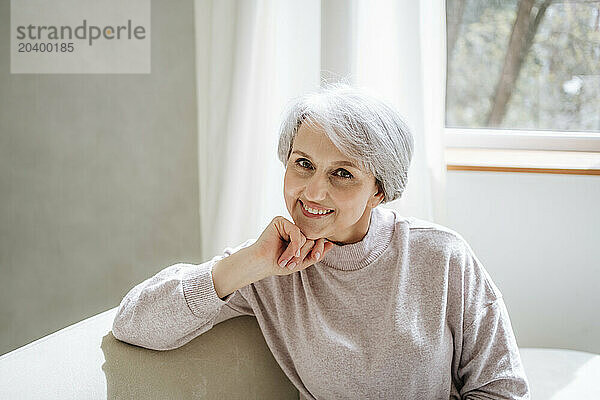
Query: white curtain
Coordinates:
[254,56]
[398,53]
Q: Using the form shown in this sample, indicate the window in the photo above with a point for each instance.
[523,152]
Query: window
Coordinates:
[523,74]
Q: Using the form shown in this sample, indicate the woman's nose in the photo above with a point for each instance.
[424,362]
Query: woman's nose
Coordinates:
[316,188]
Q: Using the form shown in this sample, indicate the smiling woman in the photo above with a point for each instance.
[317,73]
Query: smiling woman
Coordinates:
[316,183]
[353,299]
[344,151]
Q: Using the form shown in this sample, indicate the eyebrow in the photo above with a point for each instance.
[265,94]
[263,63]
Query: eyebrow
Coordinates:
[347,163]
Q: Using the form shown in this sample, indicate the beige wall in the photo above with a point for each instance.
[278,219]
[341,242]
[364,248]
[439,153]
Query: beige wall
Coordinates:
[98,181]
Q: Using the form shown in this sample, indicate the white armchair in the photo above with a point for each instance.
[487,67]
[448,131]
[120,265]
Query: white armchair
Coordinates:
[231,361]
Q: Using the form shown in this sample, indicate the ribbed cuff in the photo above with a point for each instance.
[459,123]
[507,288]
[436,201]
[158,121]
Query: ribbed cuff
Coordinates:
[199,290]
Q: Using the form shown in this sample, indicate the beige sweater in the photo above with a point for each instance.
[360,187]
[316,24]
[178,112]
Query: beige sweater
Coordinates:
[407,312]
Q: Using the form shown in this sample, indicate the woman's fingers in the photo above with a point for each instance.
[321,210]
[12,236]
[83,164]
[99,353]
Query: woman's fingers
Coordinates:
[299,251]
[296,238]
[312,252]
[317,250]
[296,261]
[327,246]
[293,234]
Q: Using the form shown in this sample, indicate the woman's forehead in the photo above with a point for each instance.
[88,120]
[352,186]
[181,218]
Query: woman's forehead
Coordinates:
[314,143]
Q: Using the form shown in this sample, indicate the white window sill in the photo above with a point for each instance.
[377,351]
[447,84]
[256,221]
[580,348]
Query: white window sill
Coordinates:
[532,161]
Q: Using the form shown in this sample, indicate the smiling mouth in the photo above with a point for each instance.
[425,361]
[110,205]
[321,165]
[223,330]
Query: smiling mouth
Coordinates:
[312,212]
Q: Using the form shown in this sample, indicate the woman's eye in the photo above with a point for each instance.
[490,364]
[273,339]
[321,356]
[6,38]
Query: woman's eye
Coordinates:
[341,173]
[345,174]
[303,163]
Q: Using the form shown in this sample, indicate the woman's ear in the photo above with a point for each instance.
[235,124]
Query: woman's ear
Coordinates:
[377,198]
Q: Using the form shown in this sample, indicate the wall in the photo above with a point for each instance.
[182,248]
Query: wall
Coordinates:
[99,181]
[538,236]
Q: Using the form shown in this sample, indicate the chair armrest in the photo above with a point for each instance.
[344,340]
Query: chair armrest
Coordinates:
[559,374]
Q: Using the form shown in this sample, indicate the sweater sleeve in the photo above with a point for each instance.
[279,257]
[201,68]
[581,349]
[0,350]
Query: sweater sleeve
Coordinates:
[490,364]
[176,305]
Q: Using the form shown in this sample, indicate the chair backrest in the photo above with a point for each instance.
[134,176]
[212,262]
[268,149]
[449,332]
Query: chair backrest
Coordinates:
[232,360]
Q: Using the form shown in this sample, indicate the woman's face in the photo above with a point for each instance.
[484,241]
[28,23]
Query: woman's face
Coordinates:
[319,176]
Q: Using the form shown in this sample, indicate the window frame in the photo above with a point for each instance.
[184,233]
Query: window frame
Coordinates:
[521,139]
[490,138]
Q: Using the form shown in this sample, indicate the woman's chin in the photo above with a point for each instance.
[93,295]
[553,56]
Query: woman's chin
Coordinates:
[308,231]
[313,237]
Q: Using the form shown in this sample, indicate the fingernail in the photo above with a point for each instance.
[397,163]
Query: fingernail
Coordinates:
[282,264]
[317,255]
[298,253]
[292,265]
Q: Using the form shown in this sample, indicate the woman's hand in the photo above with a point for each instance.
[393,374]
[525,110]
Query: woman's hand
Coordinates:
[283,249]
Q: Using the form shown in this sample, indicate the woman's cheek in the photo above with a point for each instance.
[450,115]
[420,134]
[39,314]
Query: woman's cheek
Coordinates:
[294,180]
[345,195]
[292,185]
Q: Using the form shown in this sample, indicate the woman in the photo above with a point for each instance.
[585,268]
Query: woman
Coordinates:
[354,300]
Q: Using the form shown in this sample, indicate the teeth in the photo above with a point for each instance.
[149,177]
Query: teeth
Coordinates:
[313,211]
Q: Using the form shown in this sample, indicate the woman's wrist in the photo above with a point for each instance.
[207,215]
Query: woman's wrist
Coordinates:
[236,271]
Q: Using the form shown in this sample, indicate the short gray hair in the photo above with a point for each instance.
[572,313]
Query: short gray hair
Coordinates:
[366,129]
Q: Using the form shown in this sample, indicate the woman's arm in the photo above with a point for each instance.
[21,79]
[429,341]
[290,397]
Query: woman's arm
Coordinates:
[229,277]
[489,364]
[178,304]
[185,300]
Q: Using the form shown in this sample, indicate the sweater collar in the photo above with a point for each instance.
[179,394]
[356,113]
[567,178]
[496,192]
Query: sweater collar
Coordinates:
[354,256]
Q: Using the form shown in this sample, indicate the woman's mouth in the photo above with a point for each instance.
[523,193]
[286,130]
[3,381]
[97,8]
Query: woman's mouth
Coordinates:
[312,213]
